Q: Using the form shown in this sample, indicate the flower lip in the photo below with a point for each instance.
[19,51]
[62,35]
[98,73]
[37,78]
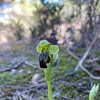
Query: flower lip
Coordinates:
[44,59]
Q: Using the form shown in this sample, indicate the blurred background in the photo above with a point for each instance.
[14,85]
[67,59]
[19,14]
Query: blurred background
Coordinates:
[28,19]
[73,25]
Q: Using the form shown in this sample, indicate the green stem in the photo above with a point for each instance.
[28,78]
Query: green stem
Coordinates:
[51,64]
[49,90]
[91,98]
[47,72]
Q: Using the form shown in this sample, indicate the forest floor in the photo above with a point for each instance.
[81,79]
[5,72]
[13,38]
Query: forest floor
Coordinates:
[21,78]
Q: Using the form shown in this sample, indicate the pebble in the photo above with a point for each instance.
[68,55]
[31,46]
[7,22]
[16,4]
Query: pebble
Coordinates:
[35,78]
[20,71]
[13,71]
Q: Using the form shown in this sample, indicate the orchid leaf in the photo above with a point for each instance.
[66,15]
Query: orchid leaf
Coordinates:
[93,92]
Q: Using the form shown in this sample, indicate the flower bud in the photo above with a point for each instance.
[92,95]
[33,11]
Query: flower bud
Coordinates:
[93,92]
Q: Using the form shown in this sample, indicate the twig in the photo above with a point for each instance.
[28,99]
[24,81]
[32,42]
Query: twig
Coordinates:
[8,69]
[30,64]
[83,58]
[72,54]
[91,75]
[93,60]
[26,97]
[86,53]
[77,58]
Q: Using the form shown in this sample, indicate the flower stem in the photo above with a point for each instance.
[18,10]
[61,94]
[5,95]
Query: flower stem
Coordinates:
[49,90]
[51,64]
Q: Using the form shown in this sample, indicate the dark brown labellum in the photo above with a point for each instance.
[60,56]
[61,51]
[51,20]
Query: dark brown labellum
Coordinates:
[44,59]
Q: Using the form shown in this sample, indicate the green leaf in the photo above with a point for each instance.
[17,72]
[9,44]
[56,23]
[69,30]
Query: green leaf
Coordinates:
[93,92]
[54,49]
[43,45]
[55,57]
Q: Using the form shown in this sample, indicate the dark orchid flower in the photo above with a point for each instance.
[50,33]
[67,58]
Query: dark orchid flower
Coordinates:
[44,59]
[46,50]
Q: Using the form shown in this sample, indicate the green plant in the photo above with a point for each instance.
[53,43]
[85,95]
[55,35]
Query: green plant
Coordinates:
[47,17]
[93,92]
[48,54]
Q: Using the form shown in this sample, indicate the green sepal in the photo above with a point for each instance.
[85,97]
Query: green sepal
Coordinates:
[54,49]
[55,57]
[43,45]
[39,48]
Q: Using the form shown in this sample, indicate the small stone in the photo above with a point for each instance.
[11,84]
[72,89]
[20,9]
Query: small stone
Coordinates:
[29,72]
[13,71]
[20,71]
[35,78]
[13,61]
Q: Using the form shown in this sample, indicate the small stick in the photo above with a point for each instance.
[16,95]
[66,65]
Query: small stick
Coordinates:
[91,75]
[86,53]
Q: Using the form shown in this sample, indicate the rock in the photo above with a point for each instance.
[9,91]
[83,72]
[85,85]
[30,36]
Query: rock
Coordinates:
[13,71]
[29,72]
[13,61]
[20,71]
[35,78]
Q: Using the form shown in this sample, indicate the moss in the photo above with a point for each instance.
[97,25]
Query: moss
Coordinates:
[13,82]
[9,79]
[2,81]
[19,76]
[68,91]
[7,91]
[3,62]
[72,93]
[6,75]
